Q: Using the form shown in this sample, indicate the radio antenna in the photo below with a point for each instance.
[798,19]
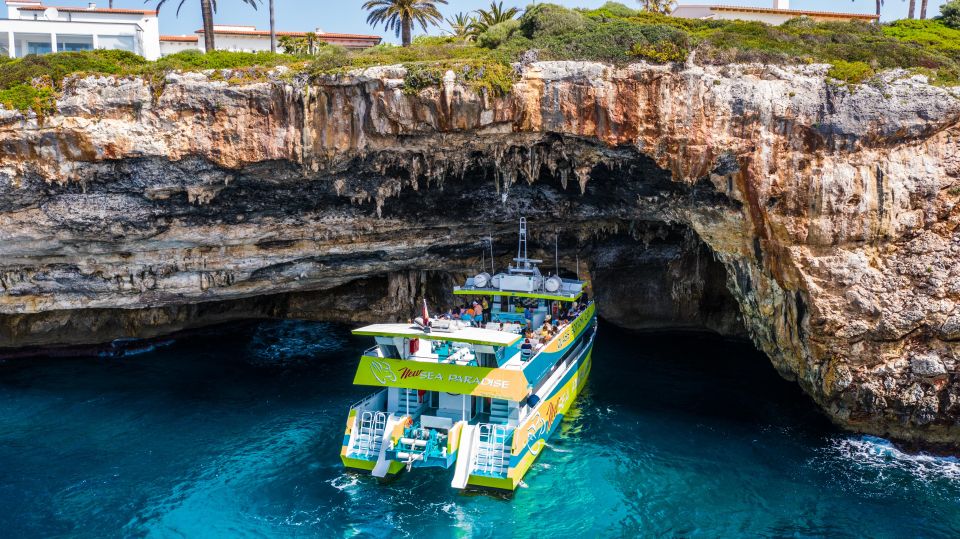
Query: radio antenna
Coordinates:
[489,240]
[556,250]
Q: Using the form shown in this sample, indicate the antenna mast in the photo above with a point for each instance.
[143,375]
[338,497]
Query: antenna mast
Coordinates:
[556,251]
[522,246]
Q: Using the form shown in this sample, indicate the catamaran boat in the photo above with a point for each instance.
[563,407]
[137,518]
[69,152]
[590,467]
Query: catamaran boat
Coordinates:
[484,397]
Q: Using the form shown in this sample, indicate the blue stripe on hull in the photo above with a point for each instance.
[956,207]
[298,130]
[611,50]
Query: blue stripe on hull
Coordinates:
[579,364]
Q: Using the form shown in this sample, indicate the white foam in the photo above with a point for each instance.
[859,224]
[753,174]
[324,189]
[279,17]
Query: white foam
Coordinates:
[883,456]
[343,481]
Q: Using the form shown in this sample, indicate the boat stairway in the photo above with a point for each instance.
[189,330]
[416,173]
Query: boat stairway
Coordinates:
[369,434]
[493,449]
[499,411]
[410,402]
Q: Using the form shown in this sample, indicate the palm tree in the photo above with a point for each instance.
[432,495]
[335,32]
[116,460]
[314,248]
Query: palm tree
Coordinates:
[460,26]
[207,9]
[658,6]
[923,9]
[273,30]
[489,17]
[399,15]
[911,8]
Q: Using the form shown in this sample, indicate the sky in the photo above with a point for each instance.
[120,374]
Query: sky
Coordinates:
[347,16]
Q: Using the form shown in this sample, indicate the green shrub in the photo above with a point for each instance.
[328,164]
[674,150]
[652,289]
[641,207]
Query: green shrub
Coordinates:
[494,77]
[57,66]
[950,14]
[932,35]
[546,20]
[194,60]
[424,40]
[420,76]
[850,72]
[498,34]
[24,97]
[662,52]
[613,10]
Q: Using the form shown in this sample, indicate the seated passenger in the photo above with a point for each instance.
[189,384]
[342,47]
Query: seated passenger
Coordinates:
[526,349]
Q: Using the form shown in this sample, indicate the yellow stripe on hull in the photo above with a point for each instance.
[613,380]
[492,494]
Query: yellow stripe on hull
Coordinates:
[368,465]
[516,473]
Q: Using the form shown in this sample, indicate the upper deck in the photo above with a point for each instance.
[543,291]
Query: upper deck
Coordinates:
[457,334]
[466,360]
[525,287]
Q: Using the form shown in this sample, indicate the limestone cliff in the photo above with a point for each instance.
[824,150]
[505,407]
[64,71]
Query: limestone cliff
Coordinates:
[819,219]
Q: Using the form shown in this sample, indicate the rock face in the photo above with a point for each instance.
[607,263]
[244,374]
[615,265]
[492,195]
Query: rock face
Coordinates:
[818,219]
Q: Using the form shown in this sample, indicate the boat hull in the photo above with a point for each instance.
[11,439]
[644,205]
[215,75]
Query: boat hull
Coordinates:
[531,437]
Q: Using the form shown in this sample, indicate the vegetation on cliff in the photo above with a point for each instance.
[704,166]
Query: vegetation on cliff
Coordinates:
[613,33]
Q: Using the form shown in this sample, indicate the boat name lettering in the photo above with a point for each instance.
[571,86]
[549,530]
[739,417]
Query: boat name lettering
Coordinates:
[410,373]
[383,373]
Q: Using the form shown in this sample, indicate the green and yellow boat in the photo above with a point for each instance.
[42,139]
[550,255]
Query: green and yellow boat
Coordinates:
[479,394]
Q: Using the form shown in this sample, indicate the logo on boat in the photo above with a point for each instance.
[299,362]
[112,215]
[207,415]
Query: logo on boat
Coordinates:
[540,423]
[382,372]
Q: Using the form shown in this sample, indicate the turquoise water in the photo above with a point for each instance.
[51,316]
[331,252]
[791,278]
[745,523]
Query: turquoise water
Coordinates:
[235,432]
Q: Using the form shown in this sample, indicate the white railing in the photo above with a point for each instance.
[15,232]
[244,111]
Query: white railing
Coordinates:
[492,450]
[360,404]
[370,433]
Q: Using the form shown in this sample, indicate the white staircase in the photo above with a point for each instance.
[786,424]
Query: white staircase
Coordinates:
[493,451]
[465,456]
[408,402]
[499,411]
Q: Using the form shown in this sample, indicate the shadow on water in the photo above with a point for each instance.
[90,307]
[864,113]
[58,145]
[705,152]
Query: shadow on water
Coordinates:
[235,431]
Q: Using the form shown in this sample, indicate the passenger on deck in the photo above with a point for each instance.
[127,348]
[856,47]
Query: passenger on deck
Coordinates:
[526,349]
[486,309]
[478,312]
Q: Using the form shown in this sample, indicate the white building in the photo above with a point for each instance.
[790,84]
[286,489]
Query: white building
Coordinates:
[248,39]
[33,28]
[776,15]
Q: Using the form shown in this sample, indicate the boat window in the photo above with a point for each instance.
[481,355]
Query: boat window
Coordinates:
[487,360]
[390,351]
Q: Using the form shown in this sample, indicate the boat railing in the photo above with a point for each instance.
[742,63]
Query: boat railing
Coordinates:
[373,351]
[493,451]
[359,405]
[370,433]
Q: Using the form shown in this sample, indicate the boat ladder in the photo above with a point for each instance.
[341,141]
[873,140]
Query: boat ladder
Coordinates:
[370,433]
[493,453]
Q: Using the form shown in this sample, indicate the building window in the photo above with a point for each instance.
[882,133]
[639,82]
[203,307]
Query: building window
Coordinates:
[123,43]
[74,43]
[38,47]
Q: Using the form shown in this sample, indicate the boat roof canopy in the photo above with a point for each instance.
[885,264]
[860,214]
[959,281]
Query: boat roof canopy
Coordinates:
[469,335]
[568,289]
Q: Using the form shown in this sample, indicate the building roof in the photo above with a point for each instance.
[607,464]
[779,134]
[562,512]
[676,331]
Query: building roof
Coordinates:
[262,33]
[795,12]
[184,39]
[74,9]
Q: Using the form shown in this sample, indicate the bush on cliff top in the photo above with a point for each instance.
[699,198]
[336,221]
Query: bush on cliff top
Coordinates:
[613,33]
[950,14]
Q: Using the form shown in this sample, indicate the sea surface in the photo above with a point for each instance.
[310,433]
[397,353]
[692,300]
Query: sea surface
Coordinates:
[235,432]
